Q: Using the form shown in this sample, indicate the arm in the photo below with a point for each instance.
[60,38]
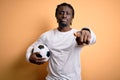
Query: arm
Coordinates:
[32,57]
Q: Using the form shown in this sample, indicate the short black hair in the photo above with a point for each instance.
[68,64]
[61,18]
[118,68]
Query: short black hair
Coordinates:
[65,4]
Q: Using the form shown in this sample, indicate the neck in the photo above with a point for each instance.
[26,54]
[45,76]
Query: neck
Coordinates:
[64,29]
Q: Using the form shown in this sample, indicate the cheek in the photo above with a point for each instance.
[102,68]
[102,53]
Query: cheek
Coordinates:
[70,19]
[59,16]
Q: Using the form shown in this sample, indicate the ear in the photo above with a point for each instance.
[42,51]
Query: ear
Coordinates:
[71,22]
[56,18]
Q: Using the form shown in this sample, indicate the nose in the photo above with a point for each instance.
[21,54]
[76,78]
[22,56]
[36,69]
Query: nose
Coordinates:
[64,15]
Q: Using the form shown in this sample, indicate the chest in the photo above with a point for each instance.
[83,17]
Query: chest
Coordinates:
[58,41]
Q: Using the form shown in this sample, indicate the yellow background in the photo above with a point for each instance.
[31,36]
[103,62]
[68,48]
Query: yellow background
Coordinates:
[22,21]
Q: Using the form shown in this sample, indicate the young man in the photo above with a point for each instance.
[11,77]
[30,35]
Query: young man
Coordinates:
[65,44]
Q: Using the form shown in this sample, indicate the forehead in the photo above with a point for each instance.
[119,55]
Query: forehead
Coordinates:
[64,8]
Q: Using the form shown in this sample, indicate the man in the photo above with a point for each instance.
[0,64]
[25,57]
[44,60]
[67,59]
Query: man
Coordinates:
[65,44]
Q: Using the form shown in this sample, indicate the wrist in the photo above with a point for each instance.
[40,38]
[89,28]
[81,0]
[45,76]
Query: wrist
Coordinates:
[86,29]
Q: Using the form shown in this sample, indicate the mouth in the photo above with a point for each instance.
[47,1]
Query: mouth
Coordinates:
[63,20]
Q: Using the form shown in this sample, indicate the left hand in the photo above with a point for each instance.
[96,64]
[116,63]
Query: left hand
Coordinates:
[83,37]
[34,58]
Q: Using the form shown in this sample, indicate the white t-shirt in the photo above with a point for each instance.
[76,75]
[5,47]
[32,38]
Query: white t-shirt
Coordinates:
[64,62]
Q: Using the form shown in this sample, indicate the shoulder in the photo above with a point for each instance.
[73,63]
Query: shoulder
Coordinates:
[49,32]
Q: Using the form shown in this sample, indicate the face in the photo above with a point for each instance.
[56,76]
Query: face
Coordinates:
[64,16]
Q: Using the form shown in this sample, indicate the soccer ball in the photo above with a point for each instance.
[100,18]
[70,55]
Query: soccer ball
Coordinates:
[43,51]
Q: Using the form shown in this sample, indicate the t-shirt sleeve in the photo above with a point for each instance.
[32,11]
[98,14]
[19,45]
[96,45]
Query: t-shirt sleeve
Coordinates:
[41,40]
[93,37]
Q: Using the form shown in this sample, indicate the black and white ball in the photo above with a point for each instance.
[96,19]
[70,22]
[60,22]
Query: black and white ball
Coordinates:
[43,51]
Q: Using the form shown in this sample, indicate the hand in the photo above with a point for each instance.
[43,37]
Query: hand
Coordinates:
[35,59]
[83,37]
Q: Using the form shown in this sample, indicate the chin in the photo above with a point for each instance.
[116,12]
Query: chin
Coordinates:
[62,24]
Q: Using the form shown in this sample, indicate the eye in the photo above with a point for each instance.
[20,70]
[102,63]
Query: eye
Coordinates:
[68,13]
[40,46]
[61,12]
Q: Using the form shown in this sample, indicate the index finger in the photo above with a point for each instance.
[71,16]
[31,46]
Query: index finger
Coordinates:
[77,34]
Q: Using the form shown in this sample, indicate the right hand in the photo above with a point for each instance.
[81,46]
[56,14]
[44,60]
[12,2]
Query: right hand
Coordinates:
[83,37]
[36,60]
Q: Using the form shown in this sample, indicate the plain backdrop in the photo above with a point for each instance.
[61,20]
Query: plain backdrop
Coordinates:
[23,21]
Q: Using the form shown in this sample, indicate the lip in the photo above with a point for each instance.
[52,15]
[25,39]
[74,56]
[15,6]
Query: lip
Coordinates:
[64,20]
